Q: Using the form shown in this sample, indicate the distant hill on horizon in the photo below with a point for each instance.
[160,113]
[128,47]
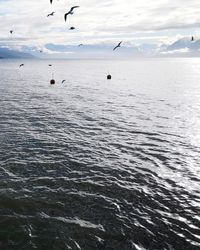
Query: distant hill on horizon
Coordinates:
[182,47]
[6,53]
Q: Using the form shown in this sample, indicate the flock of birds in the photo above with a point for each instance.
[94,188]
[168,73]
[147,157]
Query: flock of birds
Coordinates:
[70,12]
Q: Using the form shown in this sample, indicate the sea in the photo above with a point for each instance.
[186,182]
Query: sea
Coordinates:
[97,164]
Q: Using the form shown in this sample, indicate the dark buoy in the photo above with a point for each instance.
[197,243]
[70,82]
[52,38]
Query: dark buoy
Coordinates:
[109,77]
[52,81]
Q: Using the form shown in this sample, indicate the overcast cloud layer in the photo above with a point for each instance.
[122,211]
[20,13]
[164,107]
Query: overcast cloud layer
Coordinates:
[98,23]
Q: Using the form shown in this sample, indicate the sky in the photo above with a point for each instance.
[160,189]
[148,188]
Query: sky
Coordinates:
[100,24]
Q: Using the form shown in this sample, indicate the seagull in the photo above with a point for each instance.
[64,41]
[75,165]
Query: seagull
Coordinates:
[63,81]
[72,28]
[21,65]
[70,12]
[11,31]
[192,39]
[118,45]
[51,14]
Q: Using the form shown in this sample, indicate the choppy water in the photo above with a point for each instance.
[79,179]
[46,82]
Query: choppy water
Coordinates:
[96,164]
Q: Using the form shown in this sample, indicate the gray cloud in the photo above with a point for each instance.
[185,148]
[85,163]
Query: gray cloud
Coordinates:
[97,22]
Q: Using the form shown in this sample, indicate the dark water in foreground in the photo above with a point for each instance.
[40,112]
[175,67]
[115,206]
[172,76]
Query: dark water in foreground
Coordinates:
[96,164]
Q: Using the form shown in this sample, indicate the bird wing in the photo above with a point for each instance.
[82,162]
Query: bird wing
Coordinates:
[74,7]
[65,16]
[51,1]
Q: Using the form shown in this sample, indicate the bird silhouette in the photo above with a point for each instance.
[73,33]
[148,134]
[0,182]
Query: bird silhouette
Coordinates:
[192,39]
[11,31]
[63,81]
[80,44]
[70,12]
[21,65]
[72,28]
[50,65]
[51,14]
[118,45]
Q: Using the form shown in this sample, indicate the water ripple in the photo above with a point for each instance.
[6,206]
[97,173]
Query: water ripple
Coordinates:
[92,165]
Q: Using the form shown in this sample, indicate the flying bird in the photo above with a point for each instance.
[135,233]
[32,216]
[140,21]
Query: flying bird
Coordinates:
[21,65]
[63,81]
[70,12]
[118,45]
[72,28]
[51,14]
[11,31]
[50,65]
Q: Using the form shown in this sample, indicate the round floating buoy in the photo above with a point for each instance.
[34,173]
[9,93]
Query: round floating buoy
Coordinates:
[109,77]
[52,81]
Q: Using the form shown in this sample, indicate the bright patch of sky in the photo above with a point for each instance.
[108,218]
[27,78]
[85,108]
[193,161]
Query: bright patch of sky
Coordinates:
[104,22]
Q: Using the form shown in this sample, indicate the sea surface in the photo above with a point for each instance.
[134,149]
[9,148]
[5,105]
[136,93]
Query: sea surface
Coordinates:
[97,164]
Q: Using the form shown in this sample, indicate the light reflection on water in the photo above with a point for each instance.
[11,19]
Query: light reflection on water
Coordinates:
[97,164]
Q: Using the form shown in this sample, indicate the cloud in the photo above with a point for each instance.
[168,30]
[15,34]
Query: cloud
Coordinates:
[176,51]
[97,22]
[183,47]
